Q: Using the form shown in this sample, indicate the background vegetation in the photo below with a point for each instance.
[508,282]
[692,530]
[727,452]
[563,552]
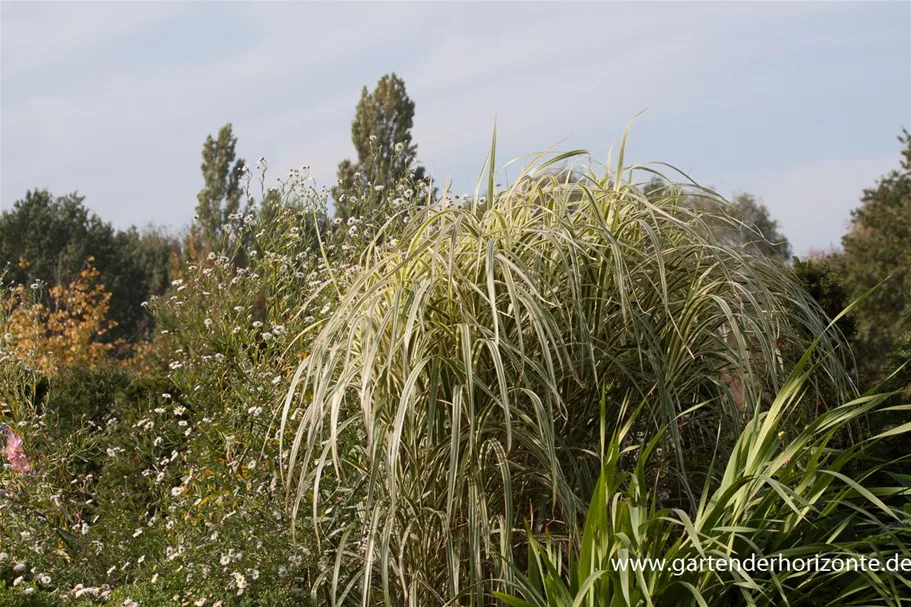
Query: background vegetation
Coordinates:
[420,398]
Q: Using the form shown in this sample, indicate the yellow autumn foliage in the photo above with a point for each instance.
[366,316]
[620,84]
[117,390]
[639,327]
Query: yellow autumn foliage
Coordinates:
[64,329]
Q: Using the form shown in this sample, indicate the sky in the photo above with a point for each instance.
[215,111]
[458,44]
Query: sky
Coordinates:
[799,104]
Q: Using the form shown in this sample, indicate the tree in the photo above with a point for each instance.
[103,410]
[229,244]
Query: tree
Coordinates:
[381,133]
[68,331]
[753,227]
[47,238]
[220,196]
[757,229]
[821,279]
[760,230]
[878,248]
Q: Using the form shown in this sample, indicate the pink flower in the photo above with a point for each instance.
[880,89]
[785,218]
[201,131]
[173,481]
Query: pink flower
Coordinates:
[14,452]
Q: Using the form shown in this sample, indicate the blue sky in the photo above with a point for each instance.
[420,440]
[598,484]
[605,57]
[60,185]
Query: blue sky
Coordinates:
[798,103]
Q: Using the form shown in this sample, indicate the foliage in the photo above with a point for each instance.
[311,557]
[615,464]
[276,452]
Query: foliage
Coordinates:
[783,493]
[75,519]
[900,358]
[748,224]
[47,239]
[152,486]
[220,197]
[366,410]
[825,284]
[877,248]
[381,133]
[68,331]
[465,366]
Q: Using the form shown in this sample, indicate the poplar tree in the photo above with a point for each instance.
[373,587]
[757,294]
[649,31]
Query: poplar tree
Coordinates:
[381,133]
[221,195]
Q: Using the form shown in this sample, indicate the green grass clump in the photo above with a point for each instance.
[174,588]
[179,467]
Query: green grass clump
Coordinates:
[794,497]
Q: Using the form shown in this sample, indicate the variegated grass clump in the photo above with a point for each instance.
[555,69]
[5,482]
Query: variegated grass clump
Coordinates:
[456,391]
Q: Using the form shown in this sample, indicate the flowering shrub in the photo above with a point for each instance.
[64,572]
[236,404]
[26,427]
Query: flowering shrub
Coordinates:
[236,325]
[73,519]
[151,488]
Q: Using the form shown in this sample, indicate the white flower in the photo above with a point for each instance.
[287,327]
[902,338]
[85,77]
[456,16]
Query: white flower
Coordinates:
[267,336]
[18,581]
[166,396]
[399,147]
[28,591]
[128,602]
[44,579]
[257,324]
[3,557]
[137,533]
[176,491]
[252,464]
[179,410]
[241,582]
[19,567]
[225,559]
